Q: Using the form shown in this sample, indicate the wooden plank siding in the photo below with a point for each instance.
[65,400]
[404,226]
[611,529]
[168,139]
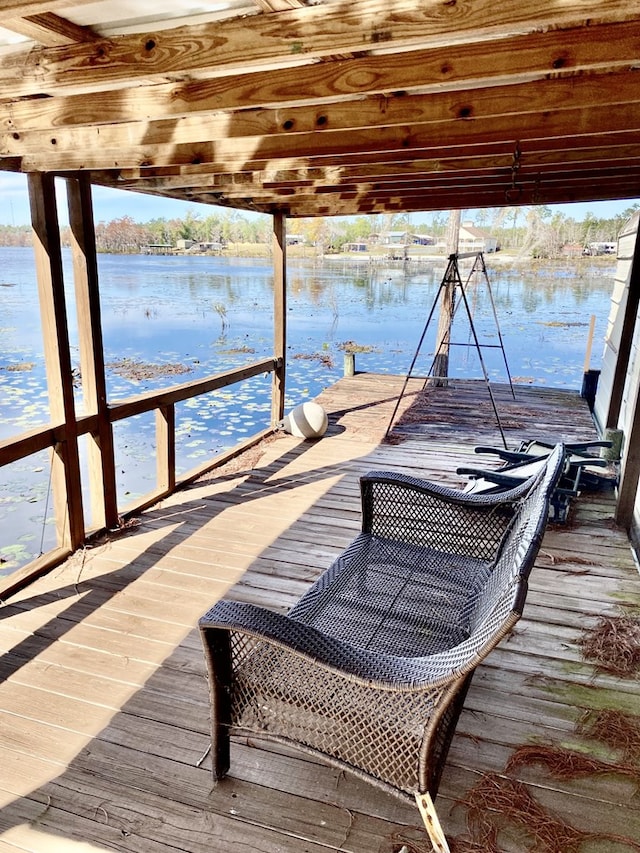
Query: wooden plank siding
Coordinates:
[103,698]
[611,401]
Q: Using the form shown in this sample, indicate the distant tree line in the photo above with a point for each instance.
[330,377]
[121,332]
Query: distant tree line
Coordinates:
[529,230]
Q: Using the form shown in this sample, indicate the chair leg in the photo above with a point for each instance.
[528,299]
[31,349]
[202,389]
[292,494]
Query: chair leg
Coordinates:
[432,823]
[217,644]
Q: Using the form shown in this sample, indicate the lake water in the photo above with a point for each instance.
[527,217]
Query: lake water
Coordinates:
[205,315]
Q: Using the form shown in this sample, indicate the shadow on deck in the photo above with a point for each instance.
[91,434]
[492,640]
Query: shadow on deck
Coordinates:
[104,706]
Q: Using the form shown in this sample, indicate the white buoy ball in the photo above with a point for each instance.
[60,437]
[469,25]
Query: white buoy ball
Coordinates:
[308,420]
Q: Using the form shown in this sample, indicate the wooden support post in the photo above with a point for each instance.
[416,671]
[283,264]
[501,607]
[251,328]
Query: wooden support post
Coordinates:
[349,364]
[100,453]
[445,318]
[587,355]
[166,448]
[65,463]
[279,314]
[629,467]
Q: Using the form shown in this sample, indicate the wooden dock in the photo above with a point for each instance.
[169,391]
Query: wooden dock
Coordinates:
[104,715]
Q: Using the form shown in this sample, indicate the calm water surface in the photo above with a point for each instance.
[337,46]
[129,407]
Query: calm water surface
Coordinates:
[209,314]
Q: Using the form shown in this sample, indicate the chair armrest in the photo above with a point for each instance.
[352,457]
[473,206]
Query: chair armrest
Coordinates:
[420,512]
[509,476]
[505,455]
[368,668]
[580,451]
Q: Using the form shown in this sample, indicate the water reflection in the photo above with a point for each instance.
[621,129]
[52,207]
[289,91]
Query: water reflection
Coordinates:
[209,314]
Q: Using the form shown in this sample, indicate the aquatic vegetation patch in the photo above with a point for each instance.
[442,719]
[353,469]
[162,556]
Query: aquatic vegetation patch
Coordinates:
[221,311]
[20,367]
[11,557]
[352,346]
[237,351]
[563,324]
[129,368]
[323,358]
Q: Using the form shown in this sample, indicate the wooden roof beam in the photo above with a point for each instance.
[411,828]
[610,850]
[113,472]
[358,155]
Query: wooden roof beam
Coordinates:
[518,59]
[436,201]
[499,178]
[411,113]
[460,200]
[548,149]
[591,149]
[335,83]
[50,30]
[248,153]
[424,183]
[624,183]
[294,38]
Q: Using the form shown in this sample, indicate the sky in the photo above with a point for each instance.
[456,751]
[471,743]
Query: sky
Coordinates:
[112,204]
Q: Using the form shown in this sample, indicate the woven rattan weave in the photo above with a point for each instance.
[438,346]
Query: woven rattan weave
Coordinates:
[371,666]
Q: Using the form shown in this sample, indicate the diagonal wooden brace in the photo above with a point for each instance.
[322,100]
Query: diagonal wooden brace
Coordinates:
[432,822]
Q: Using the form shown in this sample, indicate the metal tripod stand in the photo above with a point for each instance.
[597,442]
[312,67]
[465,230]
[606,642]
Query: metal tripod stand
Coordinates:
[453,280]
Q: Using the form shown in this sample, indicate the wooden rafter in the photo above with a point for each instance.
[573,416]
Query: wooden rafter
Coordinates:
[334,84]
[596,152]
[50,30]
[294,38]
[339,106]
[386,141]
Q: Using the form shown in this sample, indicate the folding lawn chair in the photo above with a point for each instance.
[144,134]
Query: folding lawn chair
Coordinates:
[580,471]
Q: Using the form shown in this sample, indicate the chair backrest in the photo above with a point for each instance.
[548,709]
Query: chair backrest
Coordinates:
[519,472]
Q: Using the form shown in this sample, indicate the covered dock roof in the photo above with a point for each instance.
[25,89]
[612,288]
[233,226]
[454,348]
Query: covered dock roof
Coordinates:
[294,108]
[323,107]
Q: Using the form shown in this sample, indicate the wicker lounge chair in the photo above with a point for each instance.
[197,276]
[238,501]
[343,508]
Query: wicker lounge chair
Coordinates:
[581,470]
[371,666]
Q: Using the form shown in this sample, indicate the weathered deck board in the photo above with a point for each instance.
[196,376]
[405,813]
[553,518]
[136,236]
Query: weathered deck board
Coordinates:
[103,699]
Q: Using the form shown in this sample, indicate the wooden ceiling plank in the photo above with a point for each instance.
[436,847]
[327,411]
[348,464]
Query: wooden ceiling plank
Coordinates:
[552,95]
[509,61]
[420,183]
[419,177]
[50,29]
[474,199]
[290,38]
[551,147]
[610,150]
[434,183]
[278,5]
[249,152]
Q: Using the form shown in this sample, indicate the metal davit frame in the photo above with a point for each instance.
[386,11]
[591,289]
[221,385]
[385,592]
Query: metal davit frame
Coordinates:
[453,280]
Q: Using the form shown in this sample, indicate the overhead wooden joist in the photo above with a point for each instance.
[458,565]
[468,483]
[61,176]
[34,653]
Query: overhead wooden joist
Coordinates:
[50,29]
[320,106]
[319,31]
